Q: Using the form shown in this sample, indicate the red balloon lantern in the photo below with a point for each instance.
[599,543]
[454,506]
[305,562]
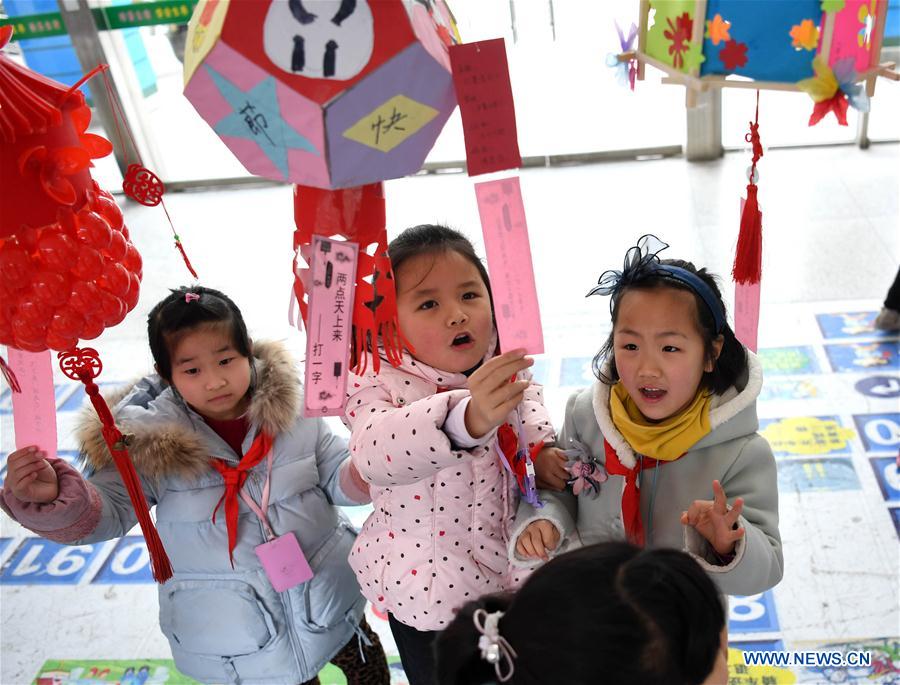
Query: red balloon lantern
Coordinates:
[67,267]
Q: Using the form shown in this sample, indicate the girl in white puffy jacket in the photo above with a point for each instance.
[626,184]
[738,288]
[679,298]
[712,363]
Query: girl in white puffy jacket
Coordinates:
[425,437]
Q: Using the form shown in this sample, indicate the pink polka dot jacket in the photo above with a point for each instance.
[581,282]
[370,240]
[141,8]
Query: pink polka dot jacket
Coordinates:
[439,532]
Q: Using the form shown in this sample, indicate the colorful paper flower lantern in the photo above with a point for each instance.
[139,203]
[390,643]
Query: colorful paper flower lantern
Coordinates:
[810,45]
[322,93]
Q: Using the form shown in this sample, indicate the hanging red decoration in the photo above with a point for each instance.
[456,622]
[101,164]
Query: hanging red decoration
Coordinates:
[748,254]
[83,364]
[355,214]
[143,185]
[140,184]
[67,267]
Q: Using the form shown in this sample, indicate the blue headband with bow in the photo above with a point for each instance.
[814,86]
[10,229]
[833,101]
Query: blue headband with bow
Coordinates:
[641,261]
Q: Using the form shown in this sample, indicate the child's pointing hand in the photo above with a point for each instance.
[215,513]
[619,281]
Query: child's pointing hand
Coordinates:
[715,522]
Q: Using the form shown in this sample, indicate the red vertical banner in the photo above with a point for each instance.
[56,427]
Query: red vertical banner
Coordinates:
[484,93]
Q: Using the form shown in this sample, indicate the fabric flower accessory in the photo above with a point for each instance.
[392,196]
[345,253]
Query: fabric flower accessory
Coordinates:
[641,263]
[834,90]
[626,71]
[587,473]
[639,260]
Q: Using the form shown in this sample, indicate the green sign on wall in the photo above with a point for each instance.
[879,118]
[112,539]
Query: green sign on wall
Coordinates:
[106,18]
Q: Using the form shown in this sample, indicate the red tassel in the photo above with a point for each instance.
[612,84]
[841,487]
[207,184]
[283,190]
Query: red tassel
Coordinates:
[10,377]
[748,256]
[84,364]
[187,262]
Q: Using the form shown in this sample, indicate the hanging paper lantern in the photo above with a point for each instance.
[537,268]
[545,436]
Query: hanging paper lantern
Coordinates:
[357,215]
[811,45]
[67,267]
[322,93]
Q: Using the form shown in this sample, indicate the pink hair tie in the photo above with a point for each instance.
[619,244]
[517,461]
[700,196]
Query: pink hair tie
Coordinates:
[190,297]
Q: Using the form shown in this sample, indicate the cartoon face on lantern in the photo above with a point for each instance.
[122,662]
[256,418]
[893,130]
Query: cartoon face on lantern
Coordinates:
[319,38]
[323,93]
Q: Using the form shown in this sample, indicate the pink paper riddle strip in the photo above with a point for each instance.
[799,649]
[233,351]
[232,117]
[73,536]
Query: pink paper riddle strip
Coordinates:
[509,263]
[746,313]
[34,409]
[328,330]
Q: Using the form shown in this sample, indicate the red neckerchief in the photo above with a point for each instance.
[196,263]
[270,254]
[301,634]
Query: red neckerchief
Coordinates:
[631,496]
[234,477]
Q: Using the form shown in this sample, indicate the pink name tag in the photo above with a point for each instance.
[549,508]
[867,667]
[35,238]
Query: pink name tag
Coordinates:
[284,562]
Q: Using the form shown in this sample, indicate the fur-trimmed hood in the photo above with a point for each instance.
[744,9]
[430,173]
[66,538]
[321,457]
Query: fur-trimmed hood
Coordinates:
[734,403]
[164,435]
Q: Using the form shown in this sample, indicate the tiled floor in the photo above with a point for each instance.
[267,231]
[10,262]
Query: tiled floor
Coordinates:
[832,245]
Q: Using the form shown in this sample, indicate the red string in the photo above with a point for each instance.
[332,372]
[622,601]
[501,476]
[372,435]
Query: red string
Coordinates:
[753,139]
[87,77]
[10,377]
[110,94]
[178,245]
[118,112]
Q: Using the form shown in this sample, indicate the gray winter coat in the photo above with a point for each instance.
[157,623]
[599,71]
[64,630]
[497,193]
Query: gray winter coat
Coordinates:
[733,453]
[225,624]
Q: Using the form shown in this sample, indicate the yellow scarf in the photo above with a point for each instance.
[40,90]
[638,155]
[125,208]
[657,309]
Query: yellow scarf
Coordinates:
[666,440]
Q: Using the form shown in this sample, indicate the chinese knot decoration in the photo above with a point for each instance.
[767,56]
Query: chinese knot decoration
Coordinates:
[83,364]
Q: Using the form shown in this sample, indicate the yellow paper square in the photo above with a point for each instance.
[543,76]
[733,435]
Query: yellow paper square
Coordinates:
[392,122]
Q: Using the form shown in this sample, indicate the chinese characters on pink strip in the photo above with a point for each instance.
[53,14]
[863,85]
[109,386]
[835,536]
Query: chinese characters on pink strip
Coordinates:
[328,329]
[484,93]
[509,263]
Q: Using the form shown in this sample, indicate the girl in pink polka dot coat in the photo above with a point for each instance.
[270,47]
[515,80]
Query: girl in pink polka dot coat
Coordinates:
[424,437]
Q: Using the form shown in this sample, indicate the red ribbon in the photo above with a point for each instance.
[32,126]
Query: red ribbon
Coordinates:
[837,104]
[631,497]
[234,477]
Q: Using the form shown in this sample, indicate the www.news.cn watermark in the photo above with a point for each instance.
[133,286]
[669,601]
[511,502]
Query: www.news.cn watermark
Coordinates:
[826,659]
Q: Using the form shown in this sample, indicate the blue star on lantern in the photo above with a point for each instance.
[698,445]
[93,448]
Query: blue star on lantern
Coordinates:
[257,116]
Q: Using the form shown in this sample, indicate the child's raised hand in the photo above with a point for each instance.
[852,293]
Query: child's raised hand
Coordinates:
[493,395]
[715,522]
[537,540]
[30,477]
[550,469]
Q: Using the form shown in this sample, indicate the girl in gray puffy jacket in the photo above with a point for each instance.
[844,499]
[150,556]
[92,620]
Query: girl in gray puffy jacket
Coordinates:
[219,400]
[666,434]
